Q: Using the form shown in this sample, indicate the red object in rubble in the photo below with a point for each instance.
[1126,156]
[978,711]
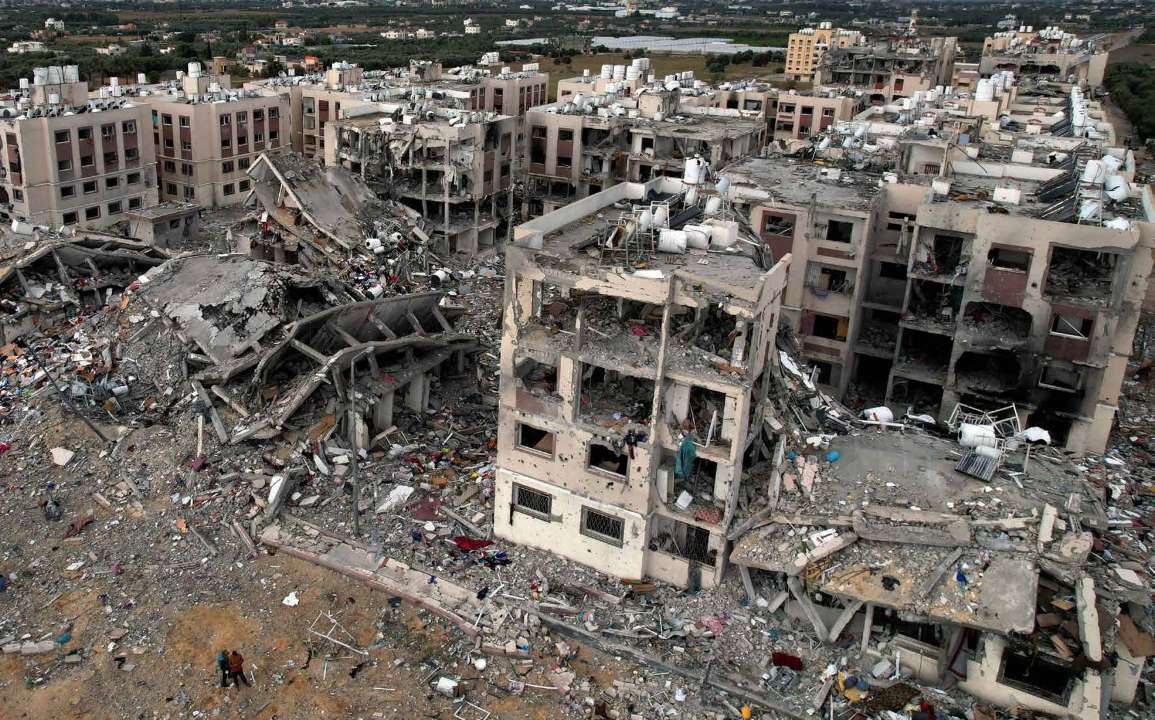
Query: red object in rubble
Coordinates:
[469,544]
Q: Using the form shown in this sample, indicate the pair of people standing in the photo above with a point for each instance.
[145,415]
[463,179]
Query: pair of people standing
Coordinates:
[232,667]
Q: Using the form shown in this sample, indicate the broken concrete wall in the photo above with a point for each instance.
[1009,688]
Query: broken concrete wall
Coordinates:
[983,681]
[563,533]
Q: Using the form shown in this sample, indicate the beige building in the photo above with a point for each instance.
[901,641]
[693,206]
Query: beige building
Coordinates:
[980,275]
[887,71]
[1048,53]
[615,363]
[454,166]
[806,48]
[580,148]
[318,99]
[71,161]
[208,135]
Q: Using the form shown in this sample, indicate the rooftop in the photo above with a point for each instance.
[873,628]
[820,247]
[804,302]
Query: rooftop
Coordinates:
[802,182]
[570,241]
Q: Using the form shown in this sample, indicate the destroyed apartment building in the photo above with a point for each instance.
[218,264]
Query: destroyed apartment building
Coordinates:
[455,167]
[627,131]
[1047,53]
[317,99]
[59,277]
[928,274]
[326,219]
[628,352]
[889,70]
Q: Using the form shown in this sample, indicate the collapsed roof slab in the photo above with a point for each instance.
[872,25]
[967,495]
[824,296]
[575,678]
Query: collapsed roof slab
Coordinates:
[338,337]
[1000,597]
[105,262]
[227,304]
[330,199]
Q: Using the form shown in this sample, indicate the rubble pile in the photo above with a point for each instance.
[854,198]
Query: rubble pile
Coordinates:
[211,415]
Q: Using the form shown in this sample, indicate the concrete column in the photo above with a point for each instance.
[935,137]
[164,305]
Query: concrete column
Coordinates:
[383,412]
[415,393]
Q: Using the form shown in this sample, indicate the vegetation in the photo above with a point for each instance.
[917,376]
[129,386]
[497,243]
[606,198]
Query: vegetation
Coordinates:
[1132,87]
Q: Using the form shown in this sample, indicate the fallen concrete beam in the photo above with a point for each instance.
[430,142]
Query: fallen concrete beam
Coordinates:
[935,575]
[1085,602]
[844,619]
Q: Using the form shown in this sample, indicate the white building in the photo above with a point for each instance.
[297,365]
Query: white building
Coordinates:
[26,46]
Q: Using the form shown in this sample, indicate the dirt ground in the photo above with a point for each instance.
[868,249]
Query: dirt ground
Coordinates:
[150,609]
[172,670]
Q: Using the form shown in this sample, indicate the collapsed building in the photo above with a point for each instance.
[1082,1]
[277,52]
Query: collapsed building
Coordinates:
[64,276]
[934,577]
[655,424]
[929,274]
[454,166]
[623,359]
[326,219]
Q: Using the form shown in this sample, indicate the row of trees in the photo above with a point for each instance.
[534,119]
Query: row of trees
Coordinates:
[1132,87]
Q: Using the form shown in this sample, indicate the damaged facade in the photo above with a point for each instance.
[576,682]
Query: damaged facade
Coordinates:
[1008,270]
[591,142]
[454,166]
[632,382]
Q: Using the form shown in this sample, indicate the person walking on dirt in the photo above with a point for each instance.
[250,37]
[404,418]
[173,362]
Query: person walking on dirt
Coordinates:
[223,666]
[237,669]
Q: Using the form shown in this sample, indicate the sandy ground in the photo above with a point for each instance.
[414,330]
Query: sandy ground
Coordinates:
[175,674]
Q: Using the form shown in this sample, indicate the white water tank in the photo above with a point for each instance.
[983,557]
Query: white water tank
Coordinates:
[40,76]
[713,205]
[692,195]
[1094,172]
[697,236]
[985,91]
[24,83]
[141,79]
[694,171]
[723,184]
[619,72]
[1116,187]
[672,241]
[607,72]
[662,216]
[194,69]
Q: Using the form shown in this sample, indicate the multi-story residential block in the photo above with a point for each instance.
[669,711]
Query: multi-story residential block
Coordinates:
[979,272]
[632,375]
[207,135]
[454,166]
[69,160]
[890,70]
[585,145]
[317,99]
[806,48]
[1047,53]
